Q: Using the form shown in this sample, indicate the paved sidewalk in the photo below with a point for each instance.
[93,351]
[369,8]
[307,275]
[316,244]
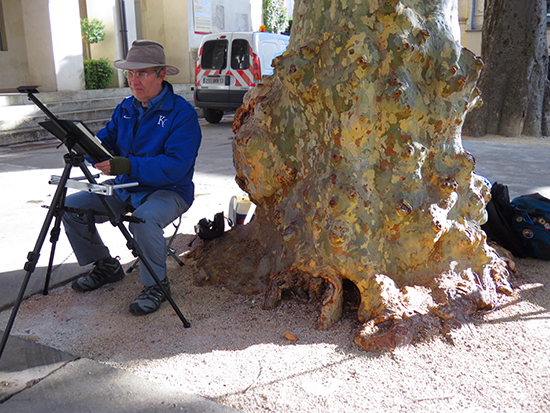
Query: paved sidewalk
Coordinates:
[37,378]
[42,379]
[523,168]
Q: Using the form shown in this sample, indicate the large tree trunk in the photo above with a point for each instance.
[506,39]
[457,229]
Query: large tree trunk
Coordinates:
[352,153]
[515,79]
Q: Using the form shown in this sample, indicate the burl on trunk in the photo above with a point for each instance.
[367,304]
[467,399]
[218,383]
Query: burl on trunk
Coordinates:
[352,153]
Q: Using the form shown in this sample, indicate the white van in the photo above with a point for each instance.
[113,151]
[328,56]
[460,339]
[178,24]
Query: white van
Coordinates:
[229,64]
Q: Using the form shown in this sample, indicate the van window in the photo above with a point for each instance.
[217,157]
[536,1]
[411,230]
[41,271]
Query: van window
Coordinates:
[214,55]
[239,55]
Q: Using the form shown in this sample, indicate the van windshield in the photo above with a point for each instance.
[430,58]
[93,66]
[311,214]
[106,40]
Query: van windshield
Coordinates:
[239,55]
[214,55]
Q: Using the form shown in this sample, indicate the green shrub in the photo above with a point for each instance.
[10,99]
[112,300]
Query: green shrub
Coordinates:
[275,16]
[93,30]
[98,73]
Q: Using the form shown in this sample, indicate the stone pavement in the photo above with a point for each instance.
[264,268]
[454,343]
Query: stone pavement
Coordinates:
[523,168]
[37,378]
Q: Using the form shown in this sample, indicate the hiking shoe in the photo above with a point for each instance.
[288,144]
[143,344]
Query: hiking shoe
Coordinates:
[105,271]
[150,299]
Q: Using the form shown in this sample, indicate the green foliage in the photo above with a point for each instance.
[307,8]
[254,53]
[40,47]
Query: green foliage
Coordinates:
[289,27]
[93,30]
[275,16]
[97,73]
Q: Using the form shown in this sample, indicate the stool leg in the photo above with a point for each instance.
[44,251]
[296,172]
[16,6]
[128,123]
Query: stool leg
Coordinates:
[172,253]
[133,266]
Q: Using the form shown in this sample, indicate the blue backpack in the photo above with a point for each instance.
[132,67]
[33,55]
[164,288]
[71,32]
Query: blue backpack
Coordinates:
[500,217]
[531,223]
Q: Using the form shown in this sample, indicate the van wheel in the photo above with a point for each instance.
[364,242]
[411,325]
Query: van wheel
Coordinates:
[213,115]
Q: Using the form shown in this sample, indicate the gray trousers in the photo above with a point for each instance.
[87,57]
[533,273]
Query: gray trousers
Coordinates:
[159,209]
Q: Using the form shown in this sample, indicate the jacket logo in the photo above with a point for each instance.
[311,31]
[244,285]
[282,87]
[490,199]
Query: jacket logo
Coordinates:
[161,121]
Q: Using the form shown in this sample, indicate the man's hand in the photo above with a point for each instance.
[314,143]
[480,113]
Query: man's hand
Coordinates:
[104,167]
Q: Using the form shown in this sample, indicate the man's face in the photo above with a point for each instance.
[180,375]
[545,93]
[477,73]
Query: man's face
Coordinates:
[145,84]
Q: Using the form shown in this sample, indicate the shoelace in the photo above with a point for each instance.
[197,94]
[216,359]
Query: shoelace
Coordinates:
[98,273]
[153,293]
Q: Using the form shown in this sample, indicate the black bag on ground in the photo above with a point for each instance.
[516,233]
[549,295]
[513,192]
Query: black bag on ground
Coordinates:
[499,226]
[532,224]
[208,230]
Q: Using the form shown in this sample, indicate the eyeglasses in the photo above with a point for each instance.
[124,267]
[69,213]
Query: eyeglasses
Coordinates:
[138,75]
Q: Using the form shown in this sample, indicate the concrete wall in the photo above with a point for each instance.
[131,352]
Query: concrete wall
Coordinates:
[14,64]
[44,47]
[162,22]
[471,40]
[39,46]
[67,44]
[471,21]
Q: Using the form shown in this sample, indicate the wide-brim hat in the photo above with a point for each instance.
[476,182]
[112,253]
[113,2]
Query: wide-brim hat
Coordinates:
[144,54]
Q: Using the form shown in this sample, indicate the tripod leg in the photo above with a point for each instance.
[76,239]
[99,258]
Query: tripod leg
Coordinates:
[137,252]
[32,257]
[54,237]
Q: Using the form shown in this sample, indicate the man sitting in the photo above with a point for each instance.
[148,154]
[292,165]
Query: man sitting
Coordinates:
[154,137]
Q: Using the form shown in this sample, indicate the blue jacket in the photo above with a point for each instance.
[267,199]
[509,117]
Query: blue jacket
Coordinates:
[162,146]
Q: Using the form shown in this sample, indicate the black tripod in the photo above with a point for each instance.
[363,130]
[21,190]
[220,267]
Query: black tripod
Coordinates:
[78,146]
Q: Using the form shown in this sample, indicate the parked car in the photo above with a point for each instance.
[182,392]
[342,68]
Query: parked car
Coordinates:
[231,63]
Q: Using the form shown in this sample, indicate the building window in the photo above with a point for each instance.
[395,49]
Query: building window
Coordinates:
[3,42]
[218,20]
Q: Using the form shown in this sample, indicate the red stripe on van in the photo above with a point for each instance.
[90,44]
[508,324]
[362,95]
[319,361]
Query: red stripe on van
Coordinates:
[198,68]
[244,75]
[237,80]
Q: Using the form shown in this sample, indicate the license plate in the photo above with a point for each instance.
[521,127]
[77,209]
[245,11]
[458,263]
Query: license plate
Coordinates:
[213,80]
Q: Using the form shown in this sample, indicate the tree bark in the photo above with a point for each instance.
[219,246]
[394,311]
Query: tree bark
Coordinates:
[514,81]
[352,153]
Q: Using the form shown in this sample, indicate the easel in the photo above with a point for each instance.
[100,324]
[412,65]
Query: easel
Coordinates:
[78,145]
